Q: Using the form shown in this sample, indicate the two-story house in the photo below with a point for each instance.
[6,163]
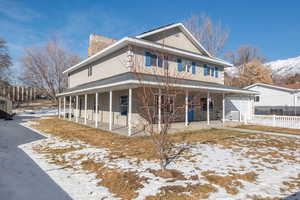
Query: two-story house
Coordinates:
[102,87]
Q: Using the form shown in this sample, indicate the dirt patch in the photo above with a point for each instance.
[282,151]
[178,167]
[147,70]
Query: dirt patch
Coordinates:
[271,129]
[231,182]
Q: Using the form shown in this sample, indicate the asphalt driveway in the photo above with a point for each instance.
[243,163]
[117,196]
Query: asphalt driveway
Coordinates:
[20,177]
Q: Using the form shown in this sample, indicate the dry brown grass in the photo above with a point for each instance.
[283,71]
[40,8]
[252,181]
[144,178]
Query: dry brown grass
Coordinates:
[271,129]
[123,184]
[48,150]
[38,104]
[122,146]
[168,173]
[178,192]
[255,197]
[293,183]
[231,182]
[259,141]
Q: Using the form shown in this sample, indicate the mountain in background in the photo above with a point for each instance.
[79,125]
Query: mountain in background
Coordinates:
[280,68]
[285,68]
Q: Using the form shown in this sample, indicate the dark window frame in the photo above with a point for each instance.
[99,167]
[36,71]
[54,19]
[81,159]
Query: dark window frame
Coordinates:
[124,105]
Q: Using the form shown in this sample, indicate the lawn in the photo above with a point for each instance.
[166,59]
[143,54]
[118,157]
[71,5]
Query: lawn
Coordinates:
[271,129]
[215,163]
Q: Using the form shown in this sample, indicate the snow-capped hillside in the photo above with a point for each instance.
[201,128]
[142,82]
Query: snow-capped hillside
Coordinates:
[288,67]
[283,68]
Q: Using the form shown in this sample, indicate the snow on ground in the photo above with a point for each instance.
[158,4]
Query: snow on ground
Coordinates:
[78,184]
[271,171]
[43,111]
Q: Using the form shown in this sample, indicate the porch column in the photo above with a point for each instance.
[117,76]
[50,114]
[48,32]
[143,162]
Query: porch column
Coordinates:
[207,109]
[85,109]
[13,93]
[77,112]
[159,109]
[64,107]
[223,109]
[59,107]
[129,111]
[70,108]
[22,93]
[186,108]
[110,110]
[96,110]
[18,93]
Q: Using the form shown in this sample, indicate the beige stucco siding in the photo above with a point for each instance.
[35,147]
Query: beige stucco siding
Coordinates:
[175,38]
[107,66]
[139,65]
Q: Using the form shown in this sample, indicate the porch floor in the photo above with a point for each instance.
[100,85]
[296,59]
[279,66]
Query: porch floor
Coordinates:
[175,127]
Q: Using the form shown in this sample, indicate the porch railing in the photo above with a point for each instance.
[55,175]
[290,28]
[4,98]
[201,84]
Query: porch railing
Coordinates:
[276,121]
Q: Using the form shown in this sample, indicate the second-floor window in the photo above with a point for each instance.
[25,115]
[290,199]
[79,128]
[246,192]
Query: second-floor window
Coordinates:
[153,60]
[211,71]
[90,70]
[186,66]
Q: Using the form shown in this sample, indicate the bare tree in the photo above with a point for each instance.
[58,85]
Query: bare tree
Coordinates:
[252,72]
[212,36]
[43,67]
[5,61]
[162,104]
[245,54]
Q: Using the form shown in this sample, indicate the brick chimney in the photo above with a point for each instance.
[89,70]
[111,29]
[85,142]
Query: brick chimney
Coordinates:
[98,42]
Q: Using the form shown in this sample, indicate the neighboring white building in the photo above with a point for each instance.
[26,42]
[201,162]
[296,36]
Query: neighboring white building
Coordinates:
[275,100]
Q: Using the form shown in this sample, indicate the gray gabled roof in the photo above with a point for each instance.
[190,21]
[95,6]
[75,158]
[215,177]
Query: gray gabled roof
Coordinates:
[136,78]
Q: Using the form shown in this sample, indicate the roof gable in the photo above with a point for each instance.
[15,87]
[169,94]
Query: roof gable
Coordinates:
[271,87]
[175,35]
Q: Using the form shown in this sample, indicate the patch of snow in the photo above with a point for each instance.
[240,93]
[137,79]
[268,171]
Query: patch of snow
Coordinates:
[199,158]
[44,111]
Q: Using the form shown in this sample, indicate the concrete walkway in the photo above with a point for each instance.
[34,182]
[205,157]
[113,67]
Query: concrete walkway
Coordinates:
[20,177]
[262,132]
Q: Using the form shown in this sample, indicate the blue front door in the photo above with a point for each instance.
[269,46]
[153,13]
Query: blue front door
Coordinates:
[191,112]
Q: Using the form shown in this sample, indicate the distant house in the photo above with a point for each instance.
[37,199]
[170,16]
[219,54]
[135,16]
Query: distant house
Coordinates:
[101,88]
[275,99]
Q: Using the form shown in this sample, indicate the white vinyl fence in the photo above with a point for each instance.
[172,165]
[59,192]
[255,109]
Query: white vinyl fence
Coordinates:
[276,120]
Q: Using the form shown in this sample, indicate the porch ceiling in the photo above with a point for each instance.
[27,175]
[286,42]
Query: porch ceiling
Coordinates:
[133,80]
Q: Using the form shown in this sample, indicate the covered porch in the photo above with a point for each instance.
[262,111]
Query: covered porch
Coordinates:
[114,107]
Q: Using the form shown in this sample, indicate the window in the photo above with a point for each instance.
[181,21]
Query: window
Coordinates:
[148,59]
[179,65]
[256,99]
[298,98]
[186,66]
[124,105]
[211,71]
[152,59]
[167,104]
[204,104]
[90,70]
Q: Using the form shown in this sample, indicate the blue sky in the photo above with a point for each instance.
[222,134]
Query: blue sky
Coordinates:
[273,26]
